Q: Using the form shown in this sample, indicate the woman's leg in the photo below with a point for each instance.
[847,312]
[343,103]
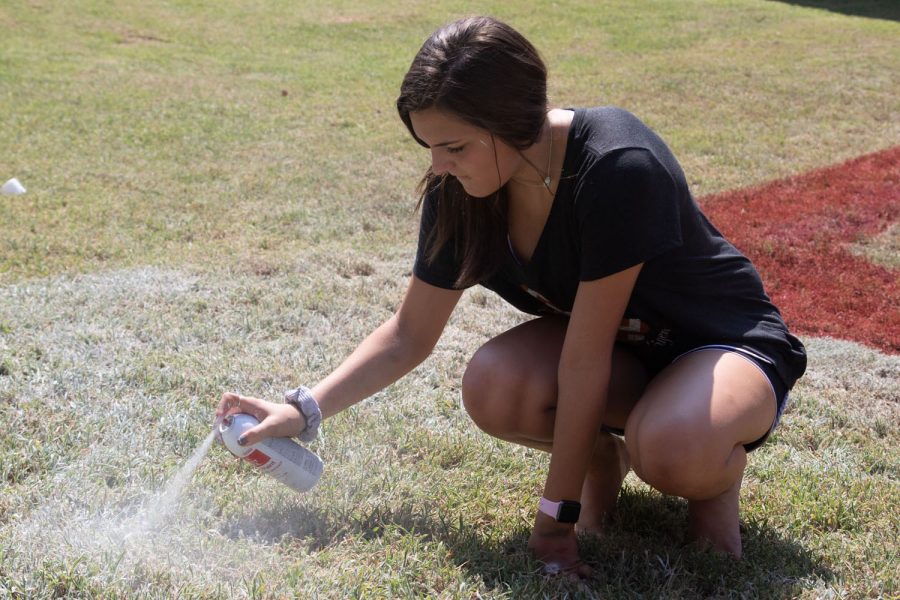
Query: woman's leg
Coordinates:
[686,437]
[510,391]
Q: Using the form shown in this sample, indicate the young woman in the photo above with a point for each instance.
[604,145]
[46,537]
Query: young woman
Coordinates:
[654,347]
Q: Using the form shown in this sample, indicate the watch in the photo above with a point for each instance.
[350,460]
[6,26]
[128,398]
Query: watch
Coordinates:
[564,511]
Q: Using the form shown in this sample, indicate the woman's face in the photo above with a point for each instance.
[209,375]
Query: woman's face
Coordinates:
[481,164]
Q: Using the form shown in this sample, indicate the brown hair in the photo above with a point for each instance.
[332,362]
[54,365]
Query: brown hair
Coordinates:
[487,74]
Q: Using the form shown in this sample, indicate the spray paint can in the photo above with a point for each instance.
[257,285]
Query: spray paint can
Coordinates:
[282,458]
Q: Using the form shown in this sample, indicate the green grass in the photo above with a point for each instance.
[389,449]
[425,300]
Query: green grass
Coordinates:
[189,229]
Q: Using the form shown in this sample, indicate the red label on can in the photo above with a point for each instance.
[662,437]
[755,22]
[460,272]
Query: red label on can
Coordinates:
[258,458]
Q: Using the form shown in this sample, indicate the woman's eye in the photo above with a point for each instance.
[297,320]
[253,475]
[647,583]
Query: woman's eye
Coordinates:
[456,150]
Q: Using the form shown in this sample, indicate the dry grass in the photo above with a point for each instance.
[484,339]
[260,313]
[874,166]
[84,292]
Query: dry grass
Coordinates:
[110,384]
[882,249]
[190,229]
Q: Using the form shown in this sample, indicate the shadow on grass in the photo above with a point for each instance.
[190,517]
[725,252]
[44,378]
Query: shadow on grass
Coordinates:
[876,9]
[643,554]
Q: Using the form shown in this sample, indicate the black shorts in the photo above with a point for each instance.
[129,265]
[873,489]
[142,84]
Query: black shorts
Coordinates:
[763,362]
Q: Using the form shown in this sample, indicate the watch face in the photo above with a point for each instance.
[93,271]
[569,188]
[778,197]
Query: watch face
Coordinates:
[569,511]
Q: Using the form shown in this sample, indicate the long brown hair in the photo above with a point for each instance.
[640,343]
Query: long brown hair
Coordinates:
[487,74]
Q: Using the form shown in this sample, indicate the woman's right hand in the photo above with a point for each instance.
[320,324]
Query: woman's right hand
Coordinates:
[275,419]
[555,545]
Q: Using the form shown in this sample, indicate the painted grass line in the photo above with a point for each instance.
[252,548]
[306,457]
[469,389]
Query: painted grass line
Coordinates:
[798,232]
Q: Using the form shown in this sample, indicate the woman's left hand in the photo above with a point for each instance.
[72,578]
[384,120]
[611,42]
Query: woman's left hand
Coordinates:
[555,545]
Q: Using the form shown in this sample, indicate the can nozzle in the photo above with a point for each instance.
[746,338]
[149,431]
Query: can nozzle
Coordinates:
[221,424]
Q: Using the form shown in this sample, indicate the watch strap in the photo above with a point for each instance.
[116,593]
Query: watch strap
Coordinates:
[563,511]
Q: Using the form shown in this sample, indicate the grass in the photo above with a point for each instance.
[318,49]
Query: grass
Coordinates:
[189,228]
[883,249]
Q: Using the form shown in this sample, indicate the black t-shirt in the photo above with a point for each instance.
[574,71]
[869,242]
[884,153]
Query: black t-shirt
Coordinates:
[622,200]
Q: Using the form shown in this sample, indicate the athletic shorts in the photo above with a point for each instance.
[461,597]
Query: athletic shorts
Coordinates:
[764,363]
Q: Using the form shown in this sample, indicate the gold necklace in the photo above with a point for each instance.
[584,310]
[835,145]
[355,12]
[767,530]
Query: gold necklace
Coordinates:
[548,179]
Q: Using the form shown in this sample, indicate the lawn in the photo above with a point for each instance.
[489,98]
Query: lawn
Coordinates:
[221,197]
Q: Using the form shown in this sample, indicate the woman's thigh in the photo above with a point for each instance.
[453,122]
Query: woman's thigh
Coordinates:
[695,416]
[510,385]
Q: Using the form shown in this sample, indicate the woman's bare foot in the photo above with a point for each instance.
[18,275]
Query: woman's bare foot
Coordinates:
[607,471]
[716,521]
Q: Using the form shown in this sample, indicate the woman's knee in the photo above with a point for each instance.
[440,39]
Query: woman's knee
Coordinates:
[483,388]
[687,431]
[678,458]
[506,396]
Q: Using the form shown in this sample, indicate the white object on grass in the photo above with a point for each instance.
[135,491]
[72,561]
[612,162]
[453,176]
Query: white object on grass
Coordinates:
[12,188]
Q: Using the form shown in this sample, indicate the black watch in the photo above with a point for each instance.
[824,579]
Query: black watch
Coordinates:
[564,511]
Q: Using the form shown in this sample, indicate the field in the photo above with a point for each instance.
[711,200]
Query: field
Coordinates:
[221,197]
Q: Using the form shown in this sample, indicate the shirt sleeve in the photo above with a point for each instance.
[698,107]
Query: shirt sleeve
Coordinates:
[443,271]
[627,211]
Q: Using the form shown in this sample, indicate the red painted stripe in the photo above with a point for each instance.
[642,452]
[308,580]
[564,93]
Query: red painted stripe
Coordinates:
[795,230]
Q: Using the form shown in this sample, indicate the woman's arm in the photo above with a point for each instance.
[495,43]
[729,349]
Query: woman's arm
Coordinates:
[584,373]
[395,348]
[583,382]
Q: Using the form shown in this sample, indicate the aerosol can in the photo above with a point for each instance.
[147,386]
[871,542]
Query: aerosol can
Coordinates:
[282,458]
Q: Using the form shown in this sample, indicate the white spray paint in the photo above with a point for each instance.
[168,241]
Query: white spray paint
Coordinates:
[158,511]
[158,529]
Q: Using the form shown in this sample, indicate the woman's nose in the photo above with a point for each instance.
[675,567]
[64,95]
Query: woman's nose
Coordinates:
[439,162]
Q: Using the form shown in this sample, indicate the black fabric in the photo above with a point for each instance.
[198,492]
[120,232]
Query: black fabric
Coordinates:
[623,200]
